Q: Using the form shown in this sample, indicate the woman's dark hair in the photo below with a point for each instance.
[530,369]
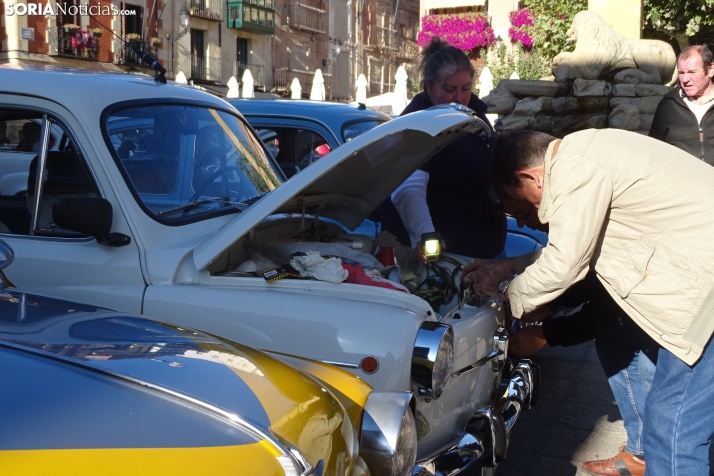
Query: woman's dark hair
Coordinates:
[439,60]
[517,150]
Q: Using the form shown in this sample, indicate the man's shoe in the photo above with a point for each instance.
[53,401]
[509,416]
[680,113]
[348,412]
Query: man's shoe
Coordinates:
[622,464]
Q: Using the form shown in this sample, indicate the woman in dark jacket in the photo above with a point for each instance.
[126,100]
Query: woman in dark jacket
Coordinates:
[450,193]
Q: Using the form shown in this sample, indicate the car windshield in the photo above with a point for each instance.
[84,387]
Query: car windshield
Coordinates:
[182,161]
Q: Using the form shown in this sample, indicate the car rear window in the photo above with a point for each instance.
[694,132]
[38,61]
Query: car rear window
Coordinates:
[354,129]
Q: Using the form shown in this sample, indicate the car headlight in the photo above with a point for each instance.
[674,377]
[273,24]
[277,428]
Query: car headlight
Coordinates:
[388,441]
[432,359]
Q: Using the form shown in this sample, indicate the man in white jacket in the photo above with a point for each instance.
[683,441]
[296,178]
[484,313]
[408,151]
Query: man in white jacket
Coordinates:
[641,214]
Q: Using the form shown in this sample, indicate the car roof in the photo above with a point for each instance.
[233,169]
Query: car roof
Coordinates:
[71,87]
[304,108]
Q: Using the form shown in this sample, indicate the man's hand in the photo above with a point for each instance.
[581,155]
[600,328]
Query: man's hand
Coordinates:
[540,314]
[526,341]
[485,275]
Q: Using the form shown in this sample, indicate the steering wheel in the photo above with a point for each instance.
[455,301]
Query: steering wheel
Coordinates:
[220,170]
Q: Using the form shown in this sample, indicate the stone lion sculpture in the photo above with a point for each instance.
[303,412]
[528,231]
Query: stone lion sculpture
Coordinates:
[600,53]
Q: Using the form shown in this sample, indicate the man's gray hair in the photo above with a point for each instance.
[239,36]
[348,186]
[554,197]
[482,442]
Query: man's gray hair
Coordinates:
[702,50]
[518,150]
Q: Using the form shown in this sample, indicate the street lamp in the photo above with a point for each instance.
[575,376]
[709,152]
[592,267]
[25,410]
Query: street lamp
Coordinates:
[185,17]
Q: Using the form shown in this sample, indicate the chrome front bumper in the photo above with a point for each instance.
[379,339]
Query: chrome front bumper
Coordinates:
[485,437]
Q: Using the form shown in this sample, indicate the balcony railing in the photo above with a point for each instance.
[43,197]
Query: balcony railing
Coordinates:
[123,54]
[60,42]
[208,9]
[408,47]
[256,70]
[304,17]
[382,38]
[283,78]
[378,87]
[206,68]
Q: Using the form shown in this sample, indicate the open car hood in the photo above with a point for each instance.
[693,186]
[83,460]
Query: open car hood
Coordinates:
[349,183]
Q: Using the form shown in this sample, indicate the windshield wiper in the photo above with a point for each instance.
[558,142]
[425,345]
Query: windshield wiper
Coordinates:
[252,200]
[196,203]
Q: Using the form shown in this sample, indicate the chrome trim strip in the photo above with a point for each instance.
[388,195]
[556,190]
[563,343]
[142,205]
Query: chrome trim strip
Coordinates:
[479,363]
[346,365]
[41,164]
[211,408]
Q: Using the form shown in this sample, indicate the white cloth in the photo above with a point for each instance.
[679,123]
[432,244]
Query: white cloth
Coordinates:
[410,201]
[312,265]
[698,109]
[334,249]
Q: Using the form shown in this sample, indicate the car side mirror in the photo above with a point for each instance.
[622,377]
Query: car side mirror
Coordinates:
[90,216]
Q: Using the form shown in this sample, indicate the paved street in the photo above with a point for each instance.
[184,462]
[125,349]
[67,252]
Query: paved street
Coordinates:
[576,419]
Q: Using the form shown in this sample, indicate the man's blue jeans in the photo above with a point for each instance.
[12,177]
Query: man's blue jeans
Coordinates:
[680,418]
[627,356]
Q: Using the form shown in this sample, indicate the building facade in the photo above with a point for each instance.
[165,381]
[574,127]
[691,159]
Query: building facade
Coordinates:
[209,41]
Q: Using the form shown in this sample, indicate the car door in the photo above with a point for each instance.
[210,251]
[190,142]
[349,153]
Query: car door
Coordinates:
[294,143]
[49,259]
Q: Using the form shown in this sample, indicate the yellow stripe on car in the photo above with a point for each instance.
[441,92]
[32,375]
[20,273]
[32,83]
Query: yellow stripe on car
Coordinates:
[256,458]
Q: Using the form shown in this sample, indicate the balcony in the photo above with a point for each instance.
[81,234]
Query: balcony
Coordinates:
[256,70]
[206,68]
[60,42]
[125,55]
[283,78]
[256,16]
[408,47]
[380,37]
[206,9]
[304,17]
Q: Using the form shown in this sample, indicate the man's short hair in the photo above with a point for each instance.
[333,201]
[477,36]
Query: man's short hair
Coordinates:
[702,50]
[518,150]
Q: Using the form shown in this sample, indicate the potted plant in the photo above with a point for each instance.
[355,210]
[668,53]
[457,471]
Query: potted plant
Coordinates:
[70,27]
[155,41]
[97,32]
[133,37]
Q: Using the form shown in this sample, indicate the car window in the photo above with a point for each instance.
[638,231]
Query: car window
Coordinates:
[65,173]
[294,148]
[188,161]
[354,129]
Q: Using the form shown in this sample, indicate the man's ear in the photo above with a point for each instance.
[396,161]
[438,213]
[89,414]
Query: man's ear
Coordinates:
[530,175]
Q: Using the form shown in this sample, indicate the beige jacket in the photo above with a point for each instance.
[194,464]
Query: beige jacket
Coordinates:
[641,212]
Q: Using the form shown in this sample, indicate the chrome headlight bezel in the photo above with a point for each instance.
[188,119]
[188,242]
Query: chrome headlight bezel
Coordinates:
[388,441]
[432,359]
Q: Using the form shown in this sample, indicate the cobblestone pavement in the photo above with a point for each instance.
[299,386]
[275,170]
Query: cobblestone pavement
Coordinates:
[575,420]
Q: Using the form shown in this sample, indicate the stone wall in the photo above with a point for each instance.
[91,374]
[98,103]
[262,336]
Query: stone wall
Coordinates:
[560,108]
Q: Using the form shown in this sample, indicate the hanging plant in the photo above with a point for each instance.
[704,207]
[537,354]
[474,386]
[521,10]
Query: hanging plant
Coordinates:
[133,36]
[466,31]
[70,27]
[97,32]
[521,30]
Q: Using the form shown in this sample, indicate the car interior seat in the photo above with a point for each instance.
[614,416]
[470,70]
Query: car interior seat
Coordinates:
[29,136]
[65,175]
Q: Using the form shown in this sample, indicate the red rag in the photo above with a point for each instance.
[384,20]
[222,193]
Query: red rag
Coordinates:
[358,276]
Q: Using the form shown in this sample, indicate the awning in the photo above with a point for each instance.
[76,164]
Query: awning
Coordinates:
[432,4]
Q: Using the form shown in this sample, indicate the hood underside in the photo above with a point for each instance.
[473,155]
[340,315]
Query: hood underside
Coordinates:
[350,182]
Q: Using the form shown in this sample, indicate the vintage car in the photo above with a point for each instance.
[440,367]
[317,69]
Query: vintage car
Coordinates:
[298,132]
[87,388]
[305,131]
[161,201]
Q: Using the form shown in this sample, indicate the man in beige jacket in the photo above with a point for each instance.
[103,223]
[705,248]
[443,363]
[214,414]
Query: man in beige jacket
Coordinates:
[641,214]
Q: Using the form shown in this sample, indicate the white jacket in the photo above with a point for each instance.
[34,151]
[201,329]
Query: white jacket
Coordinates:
[641,212]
